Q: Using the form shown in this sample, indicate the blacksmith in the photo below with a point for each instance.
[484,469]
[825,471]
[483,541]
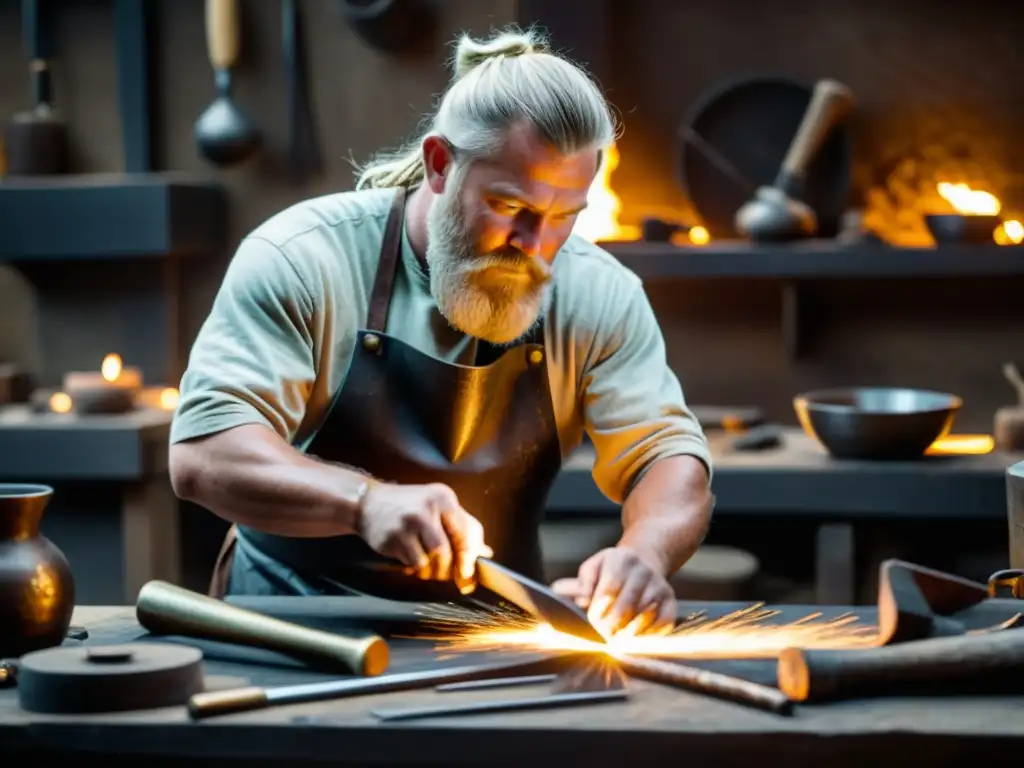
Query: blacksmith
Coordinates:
[396,373]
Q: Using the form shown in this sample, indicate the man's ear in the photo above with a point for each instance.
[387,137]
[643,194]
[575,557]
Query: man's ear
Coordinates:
[437,160]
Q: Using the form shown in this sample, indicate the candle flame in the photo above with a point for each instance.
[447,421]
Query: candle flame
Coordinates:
[111,367]
[60,402]
[699,236]
[169,397]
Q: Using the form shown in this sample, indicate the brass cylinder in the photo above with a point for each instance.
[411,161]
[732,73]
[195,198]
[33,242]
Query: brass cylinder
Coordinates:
[1015,512]
[166,609]
[213,703]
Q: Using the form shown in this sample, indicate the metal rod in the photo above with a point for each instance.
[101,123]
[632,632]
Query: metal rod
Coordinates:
[507,705]
[497,682]
[711,683]
[212,703]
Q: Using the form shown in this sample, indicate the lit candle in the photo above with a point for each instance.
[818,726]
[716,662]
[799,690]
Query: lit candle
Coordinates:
[159,398]
[112,389]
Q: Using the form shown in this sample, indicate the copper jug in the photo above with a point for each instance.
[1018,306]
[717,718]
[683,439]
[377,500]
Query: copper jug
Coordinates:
[37,591]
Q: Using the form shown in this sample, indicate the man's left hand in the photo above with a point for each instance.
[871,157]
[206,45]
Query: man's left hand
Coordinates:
[618,589]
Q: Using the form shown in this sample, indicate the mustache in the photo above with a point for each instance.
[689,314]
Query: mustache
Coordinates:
[511,258]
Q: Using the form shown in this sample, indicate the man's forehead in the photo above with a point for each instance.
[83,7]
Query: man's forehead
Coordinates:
[526,161]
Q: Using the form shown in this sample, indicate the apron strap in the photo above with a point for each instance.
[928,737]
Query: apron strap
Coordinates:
[390,251]
[222,568]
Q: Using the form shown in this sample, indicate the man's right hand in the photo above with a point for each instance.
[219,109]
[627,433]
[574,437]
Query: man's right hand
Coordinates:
[426,529]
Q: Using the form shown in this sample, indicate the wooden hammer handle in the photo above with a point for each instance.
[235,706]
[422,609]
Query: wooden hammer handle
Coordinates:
[222,32]
[979,660]
[829,103]
[166,609]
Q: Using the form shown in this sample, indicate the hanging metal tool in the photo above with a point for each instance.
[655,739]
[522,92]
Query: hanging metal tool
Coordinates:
[303,148]
[224,133]
[36,141]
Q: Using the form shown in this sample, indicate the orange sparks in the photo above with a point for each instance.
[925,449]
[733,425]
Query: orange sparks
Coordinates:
[746,633]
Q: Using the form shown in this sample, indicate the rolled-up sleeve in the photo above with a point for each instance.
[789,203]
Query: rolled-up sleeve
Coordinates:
[252,361]
[634,409]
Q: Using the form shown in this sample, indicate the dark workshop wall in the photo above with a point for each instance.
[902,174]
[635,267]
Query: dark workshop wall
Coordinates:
[930,74]
[934,84]
[363,100]
[926,76]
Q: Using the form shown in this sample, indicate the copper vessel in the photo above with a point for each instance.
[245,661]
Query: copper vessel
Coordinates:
[37,591]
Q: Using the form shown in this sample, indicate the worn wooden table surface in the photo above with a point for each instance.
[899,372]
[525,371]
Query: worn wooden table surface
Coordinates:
[656,725]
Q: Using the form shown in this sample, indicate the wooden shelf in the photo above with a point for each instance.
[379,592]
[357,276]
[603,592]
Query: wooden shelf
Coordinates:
[796,265]
[815,260]
[100,216]
[52,447]
[800,479]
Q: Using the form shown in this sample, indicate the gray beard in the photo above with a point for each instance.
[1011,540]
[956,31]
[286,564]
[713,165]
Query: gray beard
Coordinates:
[500,315]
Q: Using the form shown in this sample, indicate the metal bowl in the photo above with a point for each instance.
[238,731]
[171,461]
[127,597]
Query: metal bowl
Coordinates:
[957,229]
[879,423]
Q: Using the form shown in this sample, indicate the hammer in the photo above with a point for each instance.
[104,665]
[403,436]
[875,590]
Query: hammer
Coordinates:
[775,214]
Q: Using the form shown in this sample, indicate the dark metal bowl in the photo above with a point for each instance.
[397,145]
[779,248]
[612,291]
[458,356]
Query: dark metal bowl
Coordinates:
[881,423]
[954,228]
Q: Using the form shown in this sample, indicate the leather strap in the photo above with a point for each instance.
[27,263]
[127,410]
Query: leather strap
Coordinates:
[390,251]
[221,578]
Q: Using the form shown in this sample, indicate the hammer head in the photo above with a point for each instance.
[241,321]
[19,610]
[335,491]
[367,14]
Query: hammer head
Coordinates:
[774,216]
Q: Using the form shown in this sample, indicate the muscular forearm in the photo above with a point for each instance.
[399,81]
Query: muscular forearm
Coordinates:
[666,516]
[250,476]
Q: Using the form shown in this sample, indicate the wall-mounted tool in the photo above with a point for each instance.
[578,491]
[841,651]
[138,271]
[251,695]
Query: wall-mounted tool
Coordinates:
[736,137]
[777,212]
[303,147]
[400,27]
[36,142]
[225,135]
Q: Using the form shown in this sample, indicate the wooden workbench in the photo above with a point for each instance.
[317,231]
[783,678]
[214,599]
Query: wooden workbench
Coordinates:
[657,726]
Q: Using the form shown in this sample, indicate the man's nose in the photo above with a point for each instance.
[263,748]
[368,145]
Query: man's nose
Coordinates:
[527,238]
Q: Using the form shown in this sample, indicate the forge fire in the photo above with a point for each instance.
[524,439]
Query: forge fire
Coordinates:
[894,209]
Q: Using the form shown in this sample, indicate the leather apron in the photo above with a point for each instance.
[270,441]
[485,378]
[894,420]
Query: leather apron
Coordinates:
[487,430]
